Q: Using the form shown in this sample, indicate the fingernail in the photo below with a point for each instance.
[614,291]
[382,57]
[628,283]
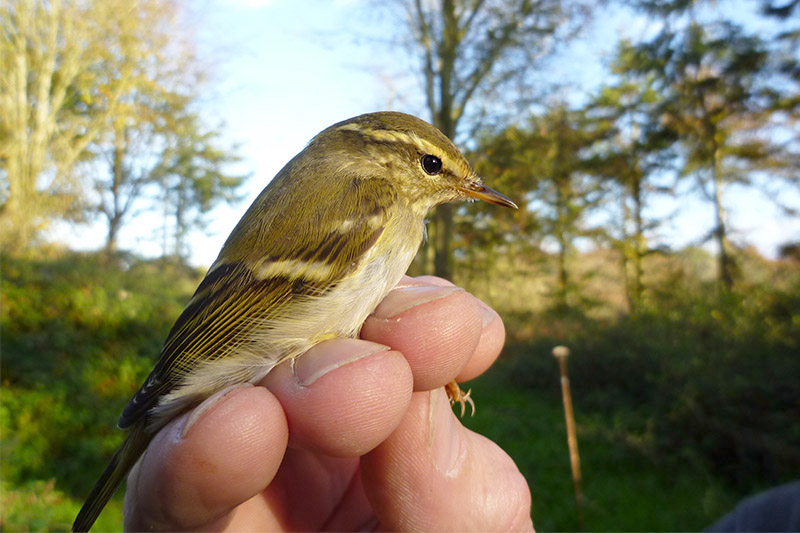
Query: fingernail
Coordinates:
[444,441]
[207,404]
[434,280]
[404,298]
[330,355]
[487,315]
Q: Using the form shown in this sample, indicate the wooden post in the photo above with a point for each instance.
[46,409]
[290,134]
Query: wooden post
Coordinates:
[561,353]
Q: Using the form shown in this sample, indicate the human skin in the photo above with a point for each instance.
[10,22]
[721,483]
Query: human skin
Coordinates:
[356,435]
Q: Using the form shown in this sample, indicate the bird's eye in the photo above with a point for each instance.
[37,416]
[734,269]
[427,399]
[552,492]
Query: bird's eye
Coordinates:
[431,164]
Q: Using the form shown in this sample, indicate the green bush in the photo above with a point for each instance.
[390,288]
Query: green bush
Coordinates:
[706,379]
[39,506]
[80,333]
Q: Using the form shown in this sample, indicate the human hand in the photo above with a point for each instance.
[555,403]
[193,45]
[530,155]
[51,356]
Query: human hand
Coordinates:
[356,437]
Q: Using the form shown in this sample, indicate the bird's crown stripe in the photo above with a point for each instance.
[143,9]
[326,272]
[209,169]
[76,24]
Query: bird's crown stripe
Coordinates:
[394,136]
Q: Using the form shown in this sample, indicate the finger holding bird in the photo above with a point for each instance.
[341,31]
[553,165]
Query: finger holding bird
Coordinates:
[312,257]
[340,399]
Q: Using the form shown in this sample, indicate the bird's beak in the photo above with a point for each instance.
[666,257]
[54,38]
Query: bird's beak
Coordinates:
[482,192]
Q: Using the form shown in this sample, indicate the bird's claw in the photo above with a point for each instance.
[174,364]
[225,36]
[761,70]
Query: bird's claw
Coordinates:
[455,394]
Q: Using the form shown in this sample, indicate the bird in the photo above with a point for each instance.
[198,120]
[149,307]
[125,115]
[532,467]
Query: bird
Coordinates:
[325,241]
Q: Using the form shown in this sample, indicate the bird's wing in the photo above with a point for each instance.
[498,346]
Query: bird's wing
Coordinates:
[242,291]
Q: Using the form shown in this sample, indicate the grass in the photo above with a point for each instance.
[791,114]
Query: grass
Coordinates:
[624,490]
[39,506]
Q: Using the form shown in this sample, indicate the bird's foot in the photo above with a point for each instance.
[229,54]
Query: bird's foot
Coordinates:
[456,395]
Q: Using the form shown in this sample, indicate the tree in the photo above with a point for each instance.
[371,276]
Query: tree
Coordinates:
[640,149]
[489,243]
[783,67]
[192,178]
[555,161]
[167,77]
[719,100]
[468,51]
[128,152]
[712,78]
[56,96]
[103,90]
[170,160]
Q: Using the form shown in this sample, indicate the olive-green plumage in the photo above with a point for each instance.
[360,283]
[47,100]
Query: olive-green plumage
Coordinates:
[324,242]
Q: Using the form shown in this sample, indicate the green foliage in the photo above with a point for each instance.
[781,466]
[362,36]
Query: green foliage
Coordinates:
[724,98]
[79,336]
[549,165]
[193,174]
[703,377]
[39,506]
[683,406]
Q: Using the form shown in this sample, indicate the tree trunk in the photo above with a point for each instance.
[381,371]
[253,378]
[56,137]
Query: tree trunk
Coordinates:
[181,222]
[626,278]
[562,271]
[726,263]
[709,134]
[562,243]
[443,218]
[639,244]
[443,237]
[118,178]
[165,222]
[625,254]
[19,212]
[443,119]
[111,237]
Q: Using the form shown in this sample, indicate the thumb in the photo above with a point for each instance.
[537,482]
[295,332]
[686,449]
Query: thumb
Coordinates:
[434,474]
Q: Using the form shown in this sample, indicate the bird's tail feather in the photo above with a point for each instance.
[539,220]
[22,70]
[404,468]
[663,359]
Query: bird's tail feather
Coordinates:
[123,460]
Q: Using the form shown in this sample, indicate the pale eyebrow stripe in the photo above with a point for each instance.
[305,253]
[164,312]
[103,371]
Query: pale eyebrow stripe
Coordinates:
[395,136]
[421,144]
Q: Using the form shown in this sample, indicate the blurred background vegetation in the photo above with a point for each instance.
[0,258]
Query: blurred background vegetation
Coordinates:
[685,361]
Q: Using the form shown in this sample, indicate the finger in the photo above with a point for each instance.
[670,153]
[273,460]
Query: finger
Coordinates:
[311,492]
[343,397]
[493,336]
[436,327]
[202,465]
[433,474]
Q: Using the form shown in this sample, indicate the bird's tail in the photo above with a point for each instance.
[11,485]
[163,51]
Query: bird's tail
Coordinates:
[123,460]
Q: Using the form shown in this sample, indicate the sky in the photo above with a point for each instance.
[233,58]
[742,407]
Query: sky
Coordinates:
[283,70]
